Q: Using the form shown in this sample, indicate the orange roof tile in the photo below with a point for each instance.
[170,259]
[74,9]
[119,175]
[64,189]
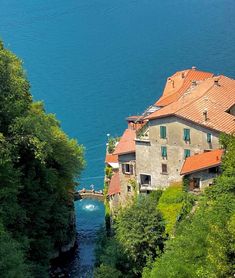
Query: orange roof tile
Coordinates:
[114,186]
[209,97]
[126,143]
[180,82]
[111,158]
[201,162]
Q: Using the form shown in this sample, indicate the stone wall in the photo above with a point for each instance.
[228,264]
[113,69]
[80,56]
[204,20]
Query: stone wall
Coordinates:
[125,177]
[148,153]
[206,178]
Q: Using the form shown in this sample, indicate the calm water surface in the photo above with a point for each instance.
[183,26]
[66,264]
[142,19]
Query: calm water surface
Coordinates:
[94,62]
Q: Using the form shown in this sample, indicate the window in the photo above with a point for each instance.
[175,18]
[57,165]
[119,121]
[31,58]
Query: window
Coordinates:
[164,152]
[209,137]
[186,153]
[186,134]
[164,168]
[213,170]
[128,188]
[145,179]
[127,169]
[163,132]
[194,183]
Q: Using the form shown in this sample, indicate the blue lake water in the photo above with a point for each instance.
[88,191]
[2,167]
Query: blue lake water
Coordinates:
[94,62]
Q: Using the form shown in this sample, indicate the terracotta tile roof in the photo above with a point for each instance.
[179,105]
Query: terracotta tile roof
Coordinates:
[114,186]
[126,143]
[201,162]
[111,158]
[180,82]
[209,97]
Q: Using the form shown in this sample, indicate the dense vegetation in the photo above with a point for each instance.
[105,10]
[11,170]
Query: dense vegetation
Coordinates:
[204,245]
[168,237]
[174,205]
[38,164]
[138,239]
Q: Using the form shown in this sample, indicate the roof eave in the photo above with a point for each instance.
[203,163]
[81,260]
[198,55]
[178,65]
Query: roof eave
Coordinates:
[201,169]
[186,119]
[122,153]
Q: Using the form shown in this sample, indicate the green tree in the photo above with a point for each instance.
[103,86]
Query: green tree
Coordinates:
[38,166]
[105,271]
[14,89]
[139,230]
[12,262]
[204,245]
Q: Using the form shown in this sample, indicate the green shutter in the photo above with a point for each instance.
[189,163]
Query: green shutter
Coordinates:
[208,137]
[186,134]
[186,153]
[163,132]
[164,151]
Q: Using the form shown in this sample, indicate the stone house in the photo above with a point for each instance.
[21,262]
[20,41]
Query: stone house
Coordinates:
[123,164]
[179,135]
[200,170]
[112,180]
[125,150]
[114,192]
[189,119]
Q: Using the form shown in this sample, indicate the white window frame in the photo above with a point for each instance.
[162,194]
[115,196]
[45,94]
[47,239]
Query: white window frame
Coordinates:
[124,166]
[145,184]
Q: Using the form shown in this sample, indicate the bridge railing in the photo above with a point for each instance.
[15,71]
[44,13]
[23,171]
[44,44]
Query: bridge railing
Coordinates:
[82,191]
[88,194]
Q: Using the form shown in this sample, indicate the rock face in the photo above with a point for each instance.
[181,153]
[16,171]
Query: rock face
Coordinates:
[71,239]
[69,246]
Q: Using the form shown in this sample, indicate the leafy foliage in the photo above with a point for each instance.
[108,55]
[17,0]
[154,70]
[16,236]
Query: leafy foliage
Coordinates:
[38,165]
[106,271]
[111,144]
[138,238]
[204,245]
[173,204]
[11,258]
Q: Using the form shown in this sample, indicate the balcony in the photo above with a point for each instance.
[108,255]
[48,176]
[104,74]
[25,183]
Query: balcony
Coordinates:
[145,187]
[143,133]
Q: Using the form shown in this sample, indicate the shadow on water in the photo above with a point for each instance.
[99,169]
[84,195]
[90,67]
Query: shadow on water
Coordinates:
[79,262]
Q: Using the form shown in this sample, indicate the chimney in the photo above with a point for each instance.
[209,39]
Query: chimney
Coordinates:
[182,75]
[194,68]
[205,112]
[216,81]
[194,82]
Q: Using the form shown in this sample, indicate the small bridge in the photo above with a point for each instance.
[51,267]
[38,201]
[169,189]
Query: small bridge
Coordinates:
[88,194]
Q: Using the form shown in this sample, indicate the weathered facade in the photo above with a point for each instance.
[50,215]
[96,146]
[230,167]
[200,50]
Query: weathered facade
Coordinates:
[171,139]
[200,170]
[164,169]
[126,174]
[198,181]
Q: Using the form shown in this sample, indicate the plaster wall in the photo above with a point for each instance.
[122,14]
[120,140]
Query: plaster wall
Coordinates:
[148,154]
[205,177]
[125,178]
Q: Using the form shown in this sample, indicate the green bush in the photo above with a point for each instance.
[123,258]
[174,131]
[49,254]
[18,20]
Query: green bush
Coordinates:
[111,144]
[174,203]
[204,243]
